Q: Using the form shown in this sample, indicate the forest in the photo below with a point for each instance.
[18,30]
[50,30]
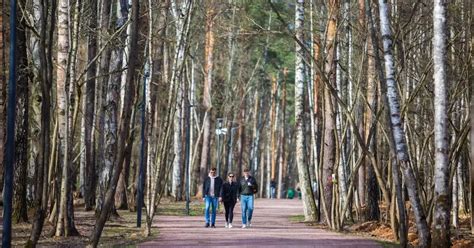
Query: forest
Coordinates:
[364,106]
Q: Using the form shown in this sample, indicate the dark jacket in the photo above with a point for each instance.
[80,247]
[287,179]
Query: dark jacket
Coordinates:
[217,187]
[248,186]
[229,192]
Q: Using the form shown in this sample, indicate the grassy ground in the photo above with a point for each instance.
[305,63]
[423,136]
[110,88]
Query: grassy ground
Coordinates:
[119,231]
[382,233]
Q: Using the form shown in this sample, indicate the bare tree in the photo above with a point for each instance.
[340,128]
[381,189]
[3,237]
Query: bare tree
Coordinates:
[20,208]
[329,147]
[207,101]
[397,128]
[442,204]
[303,168]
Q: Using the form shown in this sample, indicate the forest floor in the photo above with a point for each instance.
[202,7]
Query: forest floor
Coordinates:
[276,223]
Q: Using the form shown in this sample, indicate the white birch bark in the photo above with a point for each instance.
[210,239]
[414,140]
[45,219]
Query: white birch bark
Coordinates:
[397,127]
[441,221]
[303,170]
[62,109]
[181,15]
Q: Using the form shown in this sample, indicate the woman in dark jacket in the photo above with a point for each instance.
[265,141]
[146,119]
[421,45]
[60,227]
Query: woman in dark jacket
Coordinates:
[229,197]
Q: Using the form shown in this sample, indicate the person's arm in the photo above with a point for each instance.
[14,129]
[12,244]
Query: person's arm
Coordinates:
[204,189]
[238,190]
[255,191]
[221,189]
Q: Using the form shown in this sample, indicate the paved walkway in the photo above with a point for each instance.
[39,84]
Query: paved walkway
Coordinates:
[271,227]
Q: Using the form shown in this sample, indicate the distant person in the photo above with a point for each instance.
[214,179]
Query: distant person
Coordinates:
[212,193]
[291,193]
[247,188]
[272,189]
[229,197]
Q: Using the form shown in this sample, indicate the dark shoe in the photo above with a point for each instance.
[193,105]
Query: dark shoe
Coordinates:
[213,226]
[207,225]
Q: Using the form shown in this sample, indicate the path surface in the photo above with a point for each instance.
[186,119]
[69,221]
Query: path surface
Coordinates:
[271,227]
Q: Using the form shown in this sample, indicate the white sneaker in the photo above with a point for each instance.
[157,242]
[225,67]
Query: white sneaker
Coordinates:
[249,225]
[244,226]
[226,225]
[230,225]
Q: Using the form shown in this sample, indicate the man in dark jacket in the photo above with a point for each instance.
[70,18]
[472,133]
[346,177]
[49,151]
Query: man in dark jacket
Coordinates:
[212,193]
[247,188]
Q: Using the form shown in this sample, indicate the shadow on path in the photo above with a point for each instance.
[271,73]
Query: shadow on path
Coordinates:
[271,227]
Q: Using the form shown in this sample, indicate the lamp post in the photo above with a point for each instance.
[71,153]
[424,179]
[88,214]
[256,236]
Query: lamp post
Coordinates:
[219,132]
[10,144]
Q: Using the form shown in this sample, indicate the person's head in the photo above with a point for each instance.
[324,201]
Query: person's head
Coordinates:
[213,172]
[230,176]
[246,172]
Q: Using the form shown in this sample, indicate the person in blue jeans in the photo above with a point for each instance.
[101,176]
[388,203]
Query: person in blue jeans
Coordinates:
[212,192]
[247,188]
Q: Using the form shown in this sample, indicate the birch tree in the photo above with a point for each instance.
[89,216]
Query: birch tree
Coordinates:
[45,77]
[303,169]
[329,147]
[397,129]
[442,207]
[101,89]
[65,225]
[180,11]
[122,141]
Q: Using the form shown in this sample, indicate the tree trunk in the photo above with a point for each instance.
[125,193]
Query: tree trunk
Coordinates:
[87,159]
[64,226]
[101,103]
[471,174]
[207,101]
[329,148]
[122,138]
[442,197]
[182,28]
[3,90]
[397,128]
[282,138]
[46,77]
[373,210]
[303,170]
[113,97]
[20,208]
[273,117]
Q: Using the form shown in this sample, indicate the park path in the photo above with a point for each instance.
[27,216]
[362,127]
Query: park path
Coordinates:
[271,227]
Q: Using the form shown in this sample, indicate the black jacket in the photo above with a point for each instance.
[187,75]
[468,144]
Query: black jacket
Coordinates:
[248,186]
[229,192]
[217,187]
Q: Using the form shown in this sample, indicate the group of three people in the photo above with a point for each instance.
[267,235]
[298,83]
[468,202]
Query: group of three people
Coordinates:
[215,190]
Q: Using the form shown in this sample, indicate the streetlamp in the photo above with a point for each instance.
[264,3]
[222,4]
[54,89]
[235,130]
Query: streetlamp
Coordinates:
[219,132]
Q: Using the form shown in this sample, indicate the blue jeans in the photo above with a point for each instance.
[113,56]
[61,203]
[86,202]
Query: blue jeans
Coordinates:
[210,202]
[246,203]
